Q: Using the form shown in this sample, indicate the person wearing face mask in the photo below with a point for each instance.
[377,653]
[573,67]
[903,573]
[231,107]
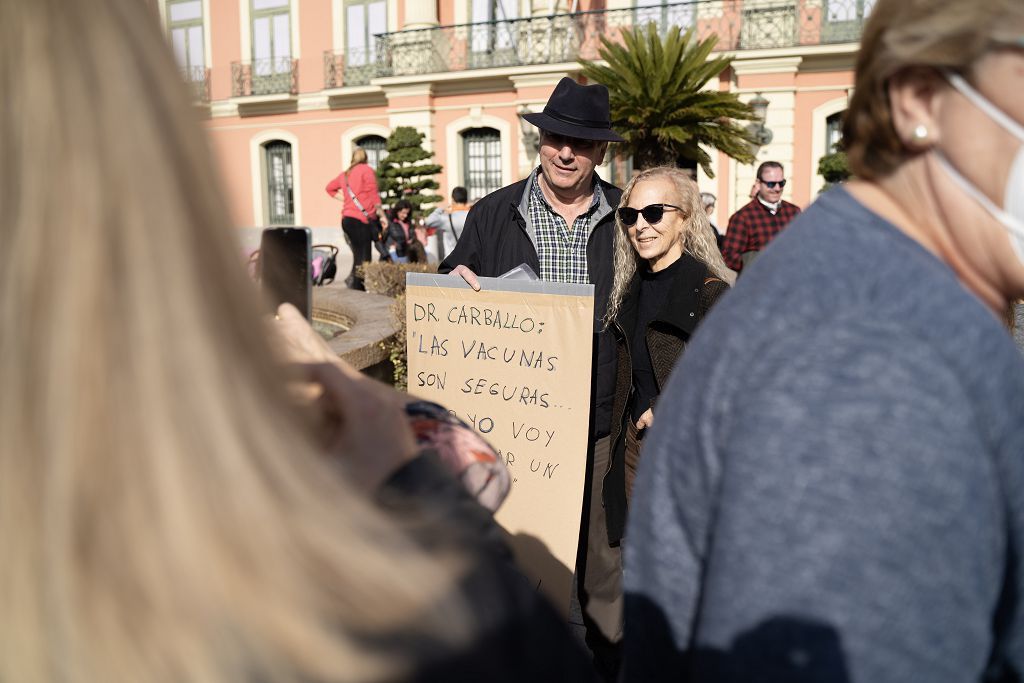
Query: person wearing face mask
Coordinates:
[758,222]
[840,493]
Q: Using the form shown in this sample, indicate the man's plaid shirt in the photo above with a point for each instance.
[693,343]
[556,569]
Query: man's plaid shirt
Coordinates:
[752,228]
[562,252]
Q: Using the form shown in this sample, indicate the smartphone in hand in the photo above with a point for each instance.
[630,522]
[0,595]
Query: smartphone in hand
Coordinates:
[285,256]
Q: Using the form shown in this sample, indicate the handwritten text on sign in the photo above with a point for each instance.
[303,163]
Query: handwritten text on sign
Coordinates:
[513,361]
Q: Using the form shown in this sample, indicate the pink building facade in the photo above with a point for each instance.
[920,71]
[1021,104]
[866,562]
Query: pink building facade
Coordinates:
[289,87]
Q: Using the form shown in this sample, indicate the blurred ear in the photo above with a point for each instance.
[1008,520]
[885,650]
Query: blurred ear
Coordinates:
[599,159]
[913,100]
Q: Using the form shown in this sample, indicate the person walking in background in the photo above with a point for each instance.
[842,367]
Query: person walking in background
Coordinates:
[560,221]
[668,273]
[839,495]
[361,214]
[758,222]
[708,200]
[449,223]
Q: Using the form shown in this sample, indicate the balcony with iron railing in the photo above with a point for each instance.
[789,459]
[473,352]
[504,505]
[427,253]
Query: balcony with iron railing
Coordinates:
[738,24]
[355,66]
[276,76]
[197,78]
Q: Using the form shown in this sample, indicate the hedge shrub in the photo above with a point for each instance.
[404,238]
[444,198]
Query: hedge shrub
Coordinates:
[388,279]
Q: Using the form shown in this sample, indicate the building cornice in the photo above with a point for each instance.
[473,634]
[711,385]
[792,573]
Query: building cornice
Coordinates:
[745,66]
[796,51]
[505,72]
[406,88]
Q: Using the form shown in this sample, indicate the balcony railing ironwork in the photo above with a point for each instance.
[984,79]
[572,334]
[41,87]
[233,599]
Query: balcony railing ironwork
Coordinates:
[274,76]
[198,80]
[355,66]
[738,24]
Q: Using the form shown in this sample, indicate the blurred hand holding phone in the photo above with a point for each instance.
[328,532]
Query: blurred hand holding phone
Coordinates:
[377,429]
[285,257]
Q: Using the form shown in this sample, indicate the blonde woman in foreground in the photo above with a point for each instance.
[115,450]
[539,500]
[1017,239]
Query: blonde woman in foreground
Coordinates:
[167,512]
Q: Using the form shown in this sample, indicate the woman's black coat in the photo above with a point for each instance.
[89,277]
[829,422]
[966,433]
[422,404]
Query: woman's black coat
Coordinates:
[692,293]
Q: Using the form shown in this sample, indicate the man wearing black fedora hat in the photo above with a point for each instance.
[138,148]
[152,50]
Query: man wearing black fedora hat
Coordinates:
[560,221]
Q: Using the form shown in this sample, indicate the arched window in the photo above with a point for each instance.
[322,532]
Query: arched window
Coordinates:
[833,131]
[481,156]
[376,149]
[278,183]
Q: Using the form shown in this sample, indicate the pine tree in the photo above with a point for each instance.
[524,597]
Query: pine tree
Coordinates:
[659,103]
[402,173]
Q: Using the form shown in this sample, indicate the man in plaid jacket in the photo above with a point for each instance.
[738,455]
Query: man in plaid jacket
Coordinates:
[757,223]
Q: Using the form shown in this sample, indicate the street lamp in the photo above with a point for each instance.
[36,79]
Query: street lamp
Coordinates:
[758,132]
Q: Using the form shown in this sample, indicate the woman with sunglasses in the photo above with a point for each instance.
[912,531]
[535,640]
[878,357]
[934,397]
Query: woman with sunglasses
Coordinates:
[668,273]
[758,222]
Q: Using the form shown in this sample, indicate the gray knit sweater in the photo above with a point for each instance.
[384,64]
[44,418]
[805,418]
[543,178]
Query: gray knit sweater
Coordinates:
[834,487]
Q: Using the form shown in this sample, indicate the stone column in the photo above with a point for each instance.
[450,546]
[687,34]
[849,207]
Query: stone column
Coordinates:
[420,14]
[420,51]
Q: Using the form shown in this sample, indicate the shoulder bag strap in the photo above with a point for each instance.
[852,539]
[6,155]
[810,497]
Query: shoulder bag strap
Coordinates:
[451,223]
[353,196]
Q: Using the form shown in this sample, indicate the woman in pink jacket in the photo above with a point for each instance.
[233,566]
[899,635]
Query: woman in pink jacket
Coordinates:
[361,215]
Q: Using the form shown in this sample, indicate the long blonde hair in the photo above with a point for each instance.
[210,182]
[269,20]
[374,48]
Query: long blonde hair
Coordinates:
[698,238]
[164,512]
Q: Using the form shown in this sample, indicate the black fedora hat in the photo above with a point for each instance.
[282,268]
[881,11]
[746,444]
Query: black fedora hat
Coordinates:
[577,111]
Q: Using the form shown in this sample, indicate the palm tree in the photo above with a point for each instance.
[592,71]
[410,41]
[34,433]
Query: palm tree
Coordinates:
[658,103]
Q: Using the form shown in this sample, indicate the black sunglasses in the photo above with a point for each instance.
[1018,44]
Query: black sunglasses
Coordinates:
[652,213]
[772,184]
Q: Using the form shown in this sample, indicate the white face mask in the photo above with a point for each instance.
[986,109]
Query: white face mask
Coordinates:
[1011,214]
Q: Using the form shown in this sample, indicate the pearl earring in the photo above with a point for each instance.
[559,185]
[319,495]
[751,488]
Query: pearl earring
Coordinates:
[920,133]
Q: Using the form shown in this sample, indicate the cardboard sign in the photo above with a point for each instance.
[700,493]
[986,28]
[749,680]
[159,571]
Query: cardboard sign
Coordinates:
[513,361]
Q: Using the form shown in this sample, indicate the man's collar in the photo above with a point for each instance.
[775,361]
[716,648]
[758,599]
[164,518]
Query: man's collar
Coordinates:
[771,207]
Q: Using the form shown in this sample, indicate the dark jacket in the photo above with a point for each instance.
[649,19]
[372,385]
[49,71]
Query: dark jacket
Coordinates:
[498,237]
[394,236]
[517,635]
[693,292]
